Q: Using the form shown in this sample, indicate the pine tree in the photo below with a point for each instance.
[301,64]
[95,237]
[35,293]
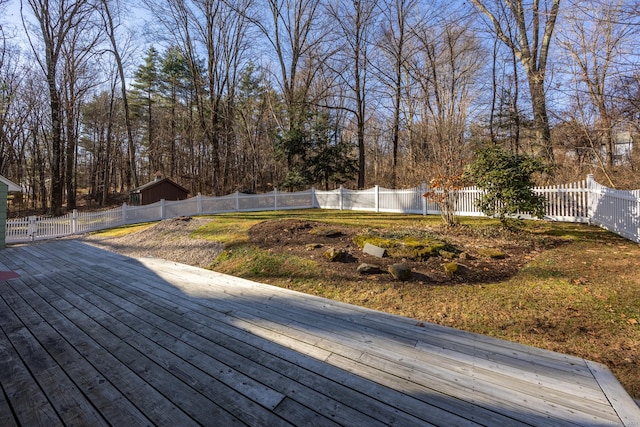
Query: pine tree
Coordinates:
[145,95]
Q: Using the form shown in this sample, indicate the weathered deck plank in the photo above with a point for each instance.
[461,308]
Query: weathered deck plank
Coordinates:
[508,389]
[90,337]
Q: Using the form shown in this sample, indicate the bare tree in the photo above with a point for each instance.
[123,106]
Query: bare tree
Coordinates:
[297,36]
[527,29]
[56,19]
[599,42]
[394,44]
[293,32]
[355,21]
[78,78]
[110,27]
[3,37]
[447,71]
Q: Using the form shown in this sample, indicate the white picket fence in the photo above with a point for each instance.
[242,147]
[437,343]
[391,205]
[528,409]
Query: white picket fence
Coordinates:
[585,201]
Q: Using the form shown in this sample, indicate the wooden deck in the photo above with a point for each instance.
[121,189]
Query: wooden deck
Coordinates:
[89,337]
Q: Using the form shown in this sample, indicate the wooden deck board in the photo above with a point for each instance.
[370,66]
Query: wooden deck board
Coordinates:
[440,368]
[91,337]
[180,325]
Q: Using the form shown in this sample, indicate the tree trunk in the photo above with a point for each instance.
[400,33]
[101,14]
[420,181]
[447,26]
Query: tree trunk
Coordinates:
[56,145]
[131,173]
[540,118]
[71,147]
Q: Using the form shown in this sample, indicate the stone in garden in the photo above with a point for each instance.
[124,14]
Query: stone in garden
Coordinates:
[374,250]
[369,269]
[400,272]
[333,254]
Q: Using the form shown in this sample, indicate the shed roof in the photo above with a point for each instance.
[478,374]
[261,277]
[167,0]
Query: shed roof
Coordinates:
[13,187]
[158,182]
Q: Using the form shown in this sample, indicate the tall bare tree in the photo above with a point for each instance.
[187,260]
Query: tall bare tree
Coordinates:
[111,26]
[394,43]
[78,78]
[355,19]
[55,20]
[527,29]
[447,70]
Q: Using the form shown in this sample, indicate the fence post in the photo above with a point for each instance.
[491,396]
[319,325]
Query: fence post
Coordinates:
[377,196]
[162,209]
[74,222]
[32,228]
[341,201]
[124,213]
[275,199]
[423,191]
[199,202]
[591,198]
[237,201]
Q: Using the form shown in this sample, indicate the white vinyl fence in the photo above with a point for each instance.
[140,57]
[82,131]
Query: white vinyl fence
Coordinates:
[615,210]
[585,201]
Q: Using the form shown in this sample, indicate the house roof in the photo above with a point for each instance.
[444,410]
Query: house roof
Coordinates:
[158,182]
[13,187]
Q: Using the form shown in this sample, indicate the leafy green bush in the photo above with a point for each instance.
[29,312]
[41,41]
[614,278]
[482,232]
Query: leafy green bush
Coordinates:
[507,181]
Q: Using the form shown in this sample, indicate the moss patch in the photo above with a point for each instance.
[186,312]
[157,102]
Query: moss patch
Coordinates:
[405,244]
[492,253]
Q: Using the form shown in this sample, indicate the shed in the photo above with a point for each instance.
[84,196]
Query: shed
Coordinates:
[6,186]
[154,191]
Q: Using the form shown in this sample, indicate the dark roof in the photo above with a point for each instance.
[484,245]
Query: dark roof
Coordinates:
[157,182]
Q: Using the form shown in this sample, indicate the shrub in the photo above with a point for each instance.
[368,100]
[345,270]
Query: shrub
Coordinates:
[507,181]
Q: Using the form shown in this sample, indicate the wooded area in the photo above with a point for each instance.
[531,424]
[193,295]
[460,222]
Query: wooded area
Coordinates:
[96,96]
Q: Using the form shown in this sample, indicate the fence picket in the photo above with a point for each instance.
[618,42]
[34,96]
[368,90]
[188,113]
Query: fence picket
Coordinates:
[584,201]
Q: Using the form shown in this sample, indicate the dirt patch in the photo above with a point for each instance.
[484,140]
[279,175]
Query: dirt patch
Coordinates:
[311,240]
[169,239]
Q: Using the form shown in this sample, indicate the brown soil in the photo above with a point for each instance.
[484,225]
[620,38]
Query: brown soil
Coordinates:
[297,237]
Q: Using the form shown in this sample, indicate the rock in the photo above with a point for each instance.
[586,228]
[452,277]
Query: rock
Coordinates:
[400,272]
[491,253]
[333,254]
[312,246]
[374,250]
[368,269]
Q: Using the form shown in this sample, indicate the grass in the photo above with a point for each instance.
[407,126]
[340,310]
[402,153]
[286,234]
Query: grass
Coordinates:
[123,230]
[580,298]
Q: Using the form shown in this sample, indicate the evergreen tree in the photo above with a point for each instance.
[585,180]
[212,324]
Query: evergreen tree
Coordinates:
[145,95]
[174,80]
[332,159]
